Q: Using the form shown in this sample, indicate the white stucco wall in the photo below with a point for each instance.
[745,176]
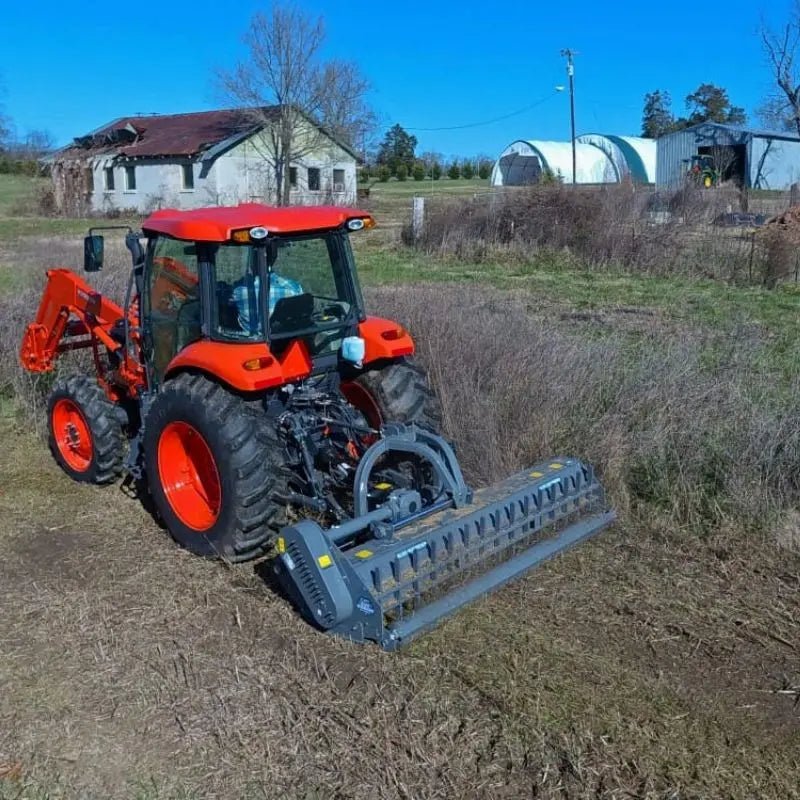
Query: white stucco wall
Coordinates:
[244,172]
[158,185]
[238,175]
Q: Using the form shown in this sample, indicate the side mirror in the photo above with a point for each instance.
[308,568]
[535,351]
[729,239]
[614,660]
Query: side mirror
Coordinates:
[93,253]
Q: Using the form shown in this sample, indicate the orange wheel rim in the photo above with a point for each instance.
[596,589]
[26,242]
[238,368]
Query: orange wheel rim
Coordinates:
[72,435]
[362,399]
[189,476]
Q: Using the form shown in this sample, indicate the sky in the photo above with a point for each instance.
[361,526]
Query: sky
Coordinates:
[69,68]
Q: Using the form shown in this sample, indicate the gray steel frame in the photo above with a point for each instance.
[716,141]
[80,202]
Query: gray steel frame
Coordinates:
[366,585]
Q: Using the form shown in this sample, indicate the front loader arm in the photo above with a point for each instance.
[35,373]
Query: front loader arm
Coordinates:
[71,316]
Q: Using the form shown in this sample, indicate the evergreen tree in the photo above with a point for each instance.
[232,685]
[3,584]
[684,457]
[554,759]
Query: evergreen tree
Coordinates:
[397,148]
[657,118]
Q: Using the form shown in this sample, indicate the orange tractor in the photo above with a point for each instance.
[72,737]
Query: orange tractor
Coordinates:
[243,384]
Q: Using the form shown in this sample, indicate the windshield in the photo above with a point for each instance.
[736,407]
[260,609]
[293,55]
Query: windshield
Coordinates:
[309,289]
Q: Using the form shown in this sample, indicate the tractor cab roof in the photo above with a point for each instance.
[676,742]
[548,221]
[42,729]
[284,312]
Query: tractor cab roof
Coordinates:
[217,223]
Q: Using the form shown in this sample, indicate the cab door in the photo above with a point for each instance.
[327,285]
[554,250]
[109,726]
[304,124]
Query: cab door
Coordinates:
[172,299]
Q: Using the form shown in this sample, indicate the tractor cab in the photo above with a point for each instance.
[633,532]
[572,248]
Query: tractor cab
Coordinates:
[279,283]
[701,161]
[255,286]
[703,170]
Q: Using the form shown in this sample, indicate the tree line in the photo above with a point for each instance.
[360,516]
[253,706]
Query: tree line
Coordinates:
[396,157]
[21,155]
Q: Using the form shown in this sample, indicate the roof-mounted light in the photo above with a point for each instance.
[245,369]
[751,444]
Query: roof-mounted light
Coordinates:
[359,223]
[250,235]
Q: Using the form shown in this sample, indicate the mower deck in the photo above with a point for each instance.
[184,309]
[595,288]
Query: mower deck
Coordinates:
[389,590]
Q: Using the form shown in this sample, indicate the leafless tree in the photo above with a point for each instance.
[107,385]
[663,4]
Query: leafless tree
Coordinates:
[782,47]
[295,97]
[724,160]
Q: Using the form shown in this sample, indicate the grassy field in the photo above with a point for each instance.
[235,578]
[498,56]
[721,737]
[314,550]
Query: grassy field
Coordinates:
[660,661]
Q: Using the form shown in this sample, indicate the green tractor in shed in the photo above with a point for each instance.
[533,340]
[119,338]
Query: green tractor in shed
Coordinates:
[703,170]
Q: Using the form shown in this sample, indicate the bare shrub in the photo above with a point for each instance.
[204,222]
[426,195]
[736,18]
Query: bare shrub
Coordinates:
[598,228]
[700,205]
[18,308]
[781,240]
[696,447]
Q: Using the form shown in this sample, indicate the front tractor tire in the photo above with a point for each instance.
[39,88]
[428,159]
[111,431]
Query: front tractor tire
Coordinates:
[399,392]
[85,431]
[214,467]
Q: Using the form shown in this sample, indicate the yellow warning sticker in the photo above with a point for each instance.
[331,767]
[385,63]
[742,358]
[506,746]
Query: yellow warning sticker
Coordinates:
[537,474]
[364,554]
[280,545]
[556,465]
[383,486]
[325,561]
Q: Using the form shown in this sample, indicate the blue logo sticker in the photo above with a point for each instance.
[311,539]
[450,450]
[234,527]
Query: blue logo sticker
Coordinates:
[364,605]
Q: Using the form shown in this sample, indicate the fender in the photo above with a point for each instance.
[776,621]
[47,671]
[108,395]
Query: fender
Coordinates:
[248,367]
[384,339]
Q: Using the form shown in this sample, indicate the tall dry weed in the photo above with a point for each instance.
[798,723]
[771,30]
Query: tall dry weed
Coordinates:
[695,444]
[609,227]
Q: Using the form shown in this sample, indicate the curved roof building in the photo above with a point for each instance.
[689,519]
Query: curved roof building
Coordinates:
[524,161]
[599,159]
[633,156]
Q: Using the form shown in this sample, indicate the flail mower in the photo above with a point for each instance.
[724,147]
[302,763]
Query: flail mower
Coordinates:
[244,385]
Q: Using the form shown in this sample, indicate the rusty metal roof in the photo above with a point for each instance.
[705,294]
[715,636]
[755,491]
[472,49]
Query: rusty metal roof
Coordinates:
[163,135]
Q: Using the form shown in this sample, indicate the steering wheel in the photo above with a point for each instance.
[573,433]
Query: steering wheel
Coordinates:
[331,312]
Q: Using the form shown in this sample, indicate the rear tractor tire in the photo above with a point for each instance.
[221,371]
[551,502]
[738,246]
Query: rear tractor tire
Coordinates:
[85,431]
[214,467]
[399,392]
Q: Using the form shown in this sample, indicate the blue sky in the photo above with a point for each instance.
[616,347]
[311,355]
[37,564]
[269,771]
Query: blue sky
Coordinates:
[67,68]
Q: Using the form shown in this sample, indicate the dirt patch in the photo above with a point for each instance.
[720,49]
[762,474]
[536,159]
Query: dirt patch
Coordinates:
[619,668]
[54,554]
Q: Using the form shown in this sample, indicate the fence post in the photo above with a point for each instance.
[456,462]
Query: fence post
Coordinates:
[418,217]
[794,193]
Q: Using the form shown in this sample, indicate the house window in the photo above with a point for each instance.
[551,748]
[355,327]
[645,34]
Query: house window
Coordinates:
[293,176]
[338,180]
[89,179]
[187,177]
[108,179]
[313,179]
[130,179]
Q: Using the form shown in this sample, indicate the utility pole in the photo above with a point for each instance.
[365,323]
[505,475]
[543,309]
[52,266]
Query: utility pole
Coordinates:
[569,55]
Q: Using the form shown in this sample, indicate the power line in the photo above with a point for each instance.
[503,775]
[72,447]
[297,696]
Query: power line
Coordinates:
[491,121]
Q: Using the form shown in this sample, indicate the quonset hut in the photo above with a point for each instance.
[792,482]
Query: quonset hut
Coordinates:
[634,158]
[599,159]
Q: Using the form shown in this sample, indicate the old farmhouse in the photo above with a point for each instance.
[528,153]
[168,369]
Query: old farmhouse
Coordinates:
[188,160]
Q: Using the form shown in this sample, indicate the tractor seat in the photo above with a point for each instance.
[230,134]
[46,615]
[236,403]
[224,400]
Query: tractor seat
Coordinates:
[292,313]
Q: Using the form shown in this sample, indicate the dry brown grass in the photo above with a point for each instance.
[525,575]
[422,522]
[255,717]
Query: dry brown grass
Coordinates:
[699,444]
[21,289]
[660,661]
[598,228]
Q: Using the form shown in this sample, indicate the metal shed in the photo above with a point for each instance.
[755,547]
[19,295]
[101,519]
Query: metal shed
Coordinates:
[756,159]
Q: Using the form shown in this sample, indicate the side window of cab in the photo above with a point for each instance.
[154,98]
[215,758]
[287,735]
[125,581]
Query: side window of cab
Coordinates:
[173,293]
